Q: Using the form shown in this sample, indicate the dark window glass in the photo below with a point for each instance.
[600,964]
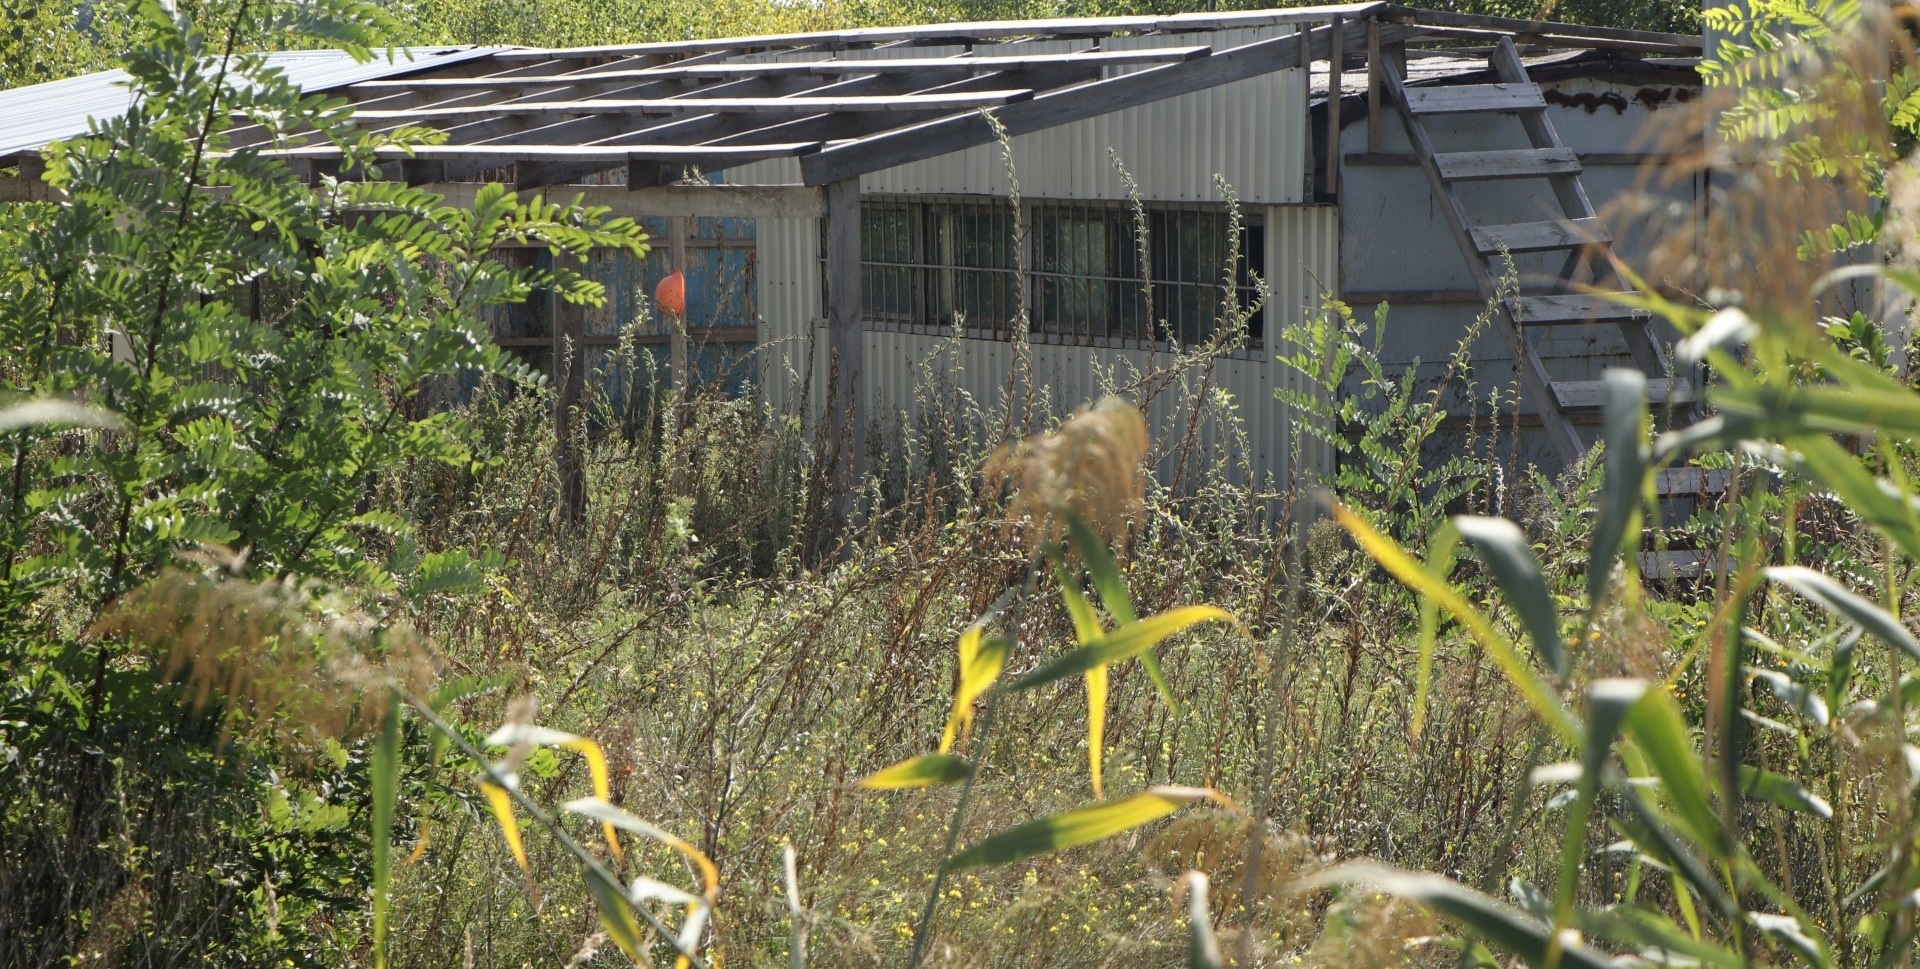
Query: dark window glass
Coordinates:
[889,261]
[975,267]
[934,262]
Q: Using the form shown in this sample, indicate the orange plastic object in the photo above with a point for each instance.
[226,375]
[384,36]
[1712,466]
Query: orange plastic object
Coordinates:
[671,294]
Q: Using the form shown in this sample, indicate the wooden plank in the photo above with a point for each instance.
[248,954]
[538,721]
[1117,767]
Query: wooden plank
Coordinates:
[1472,98]
[1676,43]
[608,154]
[835,66]
[1677,564]
[1375,58]
[1675,482]
[714,105]
[1588,159]
[1572,308]
[1466,166]
[946,135]
[1590,394]
[1540,236]
[1336,63]
[719,201]
[846,336]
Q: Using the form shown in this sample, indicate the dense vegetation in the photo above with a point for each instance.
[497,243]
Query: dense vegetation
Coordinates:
[281,554]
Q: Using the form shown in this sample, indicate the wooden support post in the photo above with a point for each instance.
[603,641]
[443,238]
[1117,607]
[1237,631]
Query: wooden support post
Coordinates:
[677,342]
[1374,67]
[1336,63]
[846,337]
[569,385]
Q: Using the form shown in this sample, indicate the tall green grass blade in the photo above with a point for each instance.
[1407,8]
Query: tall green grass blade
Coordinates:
[1787,930]
[1649,930]
[502,806]
[1417,577]
[1112,590]
[1660,734]
[1085,825]
[385,788]
[1844,603]
[1653,835]
[1086,629]
[926,770]
[1441,554]
[1203,948]
[982,657]
[617,918]
[1809,705]
[1783,791]
[1852,409]
[1500,925]
[1124,642]
[1608,704]
[600,810]
[1625,464]
[1503,547]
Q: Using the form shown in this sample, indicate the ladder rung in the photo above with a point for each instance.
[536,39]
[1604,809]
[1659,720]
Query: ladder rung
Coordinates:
[1466,98]
[1679,564]
[1461,166]
[1691,481]
[1586,394]
[1540,236]
[1571,308]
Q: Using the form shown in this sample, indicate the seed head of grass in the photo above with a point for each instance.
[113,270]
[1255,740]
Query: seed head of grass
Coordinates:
[1092,466]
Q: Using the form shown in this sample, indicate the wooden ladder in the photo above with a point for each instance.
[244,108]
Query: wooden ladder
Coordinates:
[1579,232]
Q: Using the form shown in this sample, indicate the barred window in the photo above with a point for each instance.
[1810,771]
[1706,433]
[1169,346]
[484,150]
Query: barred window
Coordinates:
[1087,278]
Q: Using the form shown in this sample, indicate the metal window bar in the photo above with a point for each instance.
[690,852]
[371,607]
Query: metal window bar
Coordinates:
[926,262]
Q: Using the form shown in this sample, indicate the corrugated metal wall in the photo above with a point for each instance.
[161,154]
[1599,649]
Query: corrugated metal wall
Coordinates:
[1252,133]
[1302,247]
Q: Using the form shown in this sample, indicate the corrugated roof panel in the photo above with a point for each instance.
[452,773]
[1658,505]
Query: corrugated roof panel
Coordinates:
[34,115]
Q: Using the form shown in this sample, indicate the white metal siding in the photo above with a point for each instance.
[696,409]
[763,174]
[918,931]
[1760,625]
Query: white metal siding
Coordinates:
[789,297]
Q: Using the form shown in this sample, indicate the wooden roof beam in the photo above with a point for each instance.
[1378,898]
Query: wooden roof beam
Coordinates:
[802,104]
[835,67]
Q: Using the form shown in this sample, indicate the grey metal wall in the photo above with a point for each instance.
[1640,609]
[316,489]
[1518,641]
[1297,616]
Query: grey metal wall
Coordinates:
[1302,244]
[1252,133]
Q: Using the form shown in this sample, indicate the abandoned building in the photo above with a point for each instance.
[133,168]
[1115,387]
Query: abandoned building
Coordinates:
[843,207]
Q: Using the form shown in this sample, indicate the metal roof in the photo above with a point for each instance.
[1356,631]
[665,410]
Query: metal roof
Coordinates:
[33,116]
[847,103]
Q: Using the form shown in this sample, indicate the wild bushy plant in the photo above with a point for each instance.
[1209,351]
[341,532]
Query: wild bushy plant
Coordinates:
[217,353]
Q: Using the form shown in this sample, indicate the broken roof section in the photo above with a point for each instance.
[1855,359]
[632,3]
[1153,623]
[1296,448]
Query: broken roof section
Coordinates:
[847,103]
[31,117]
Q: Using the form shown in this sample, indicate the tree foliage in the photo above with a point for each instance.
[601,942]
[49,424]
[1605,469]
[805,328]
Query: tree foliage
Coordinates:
[218,354]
